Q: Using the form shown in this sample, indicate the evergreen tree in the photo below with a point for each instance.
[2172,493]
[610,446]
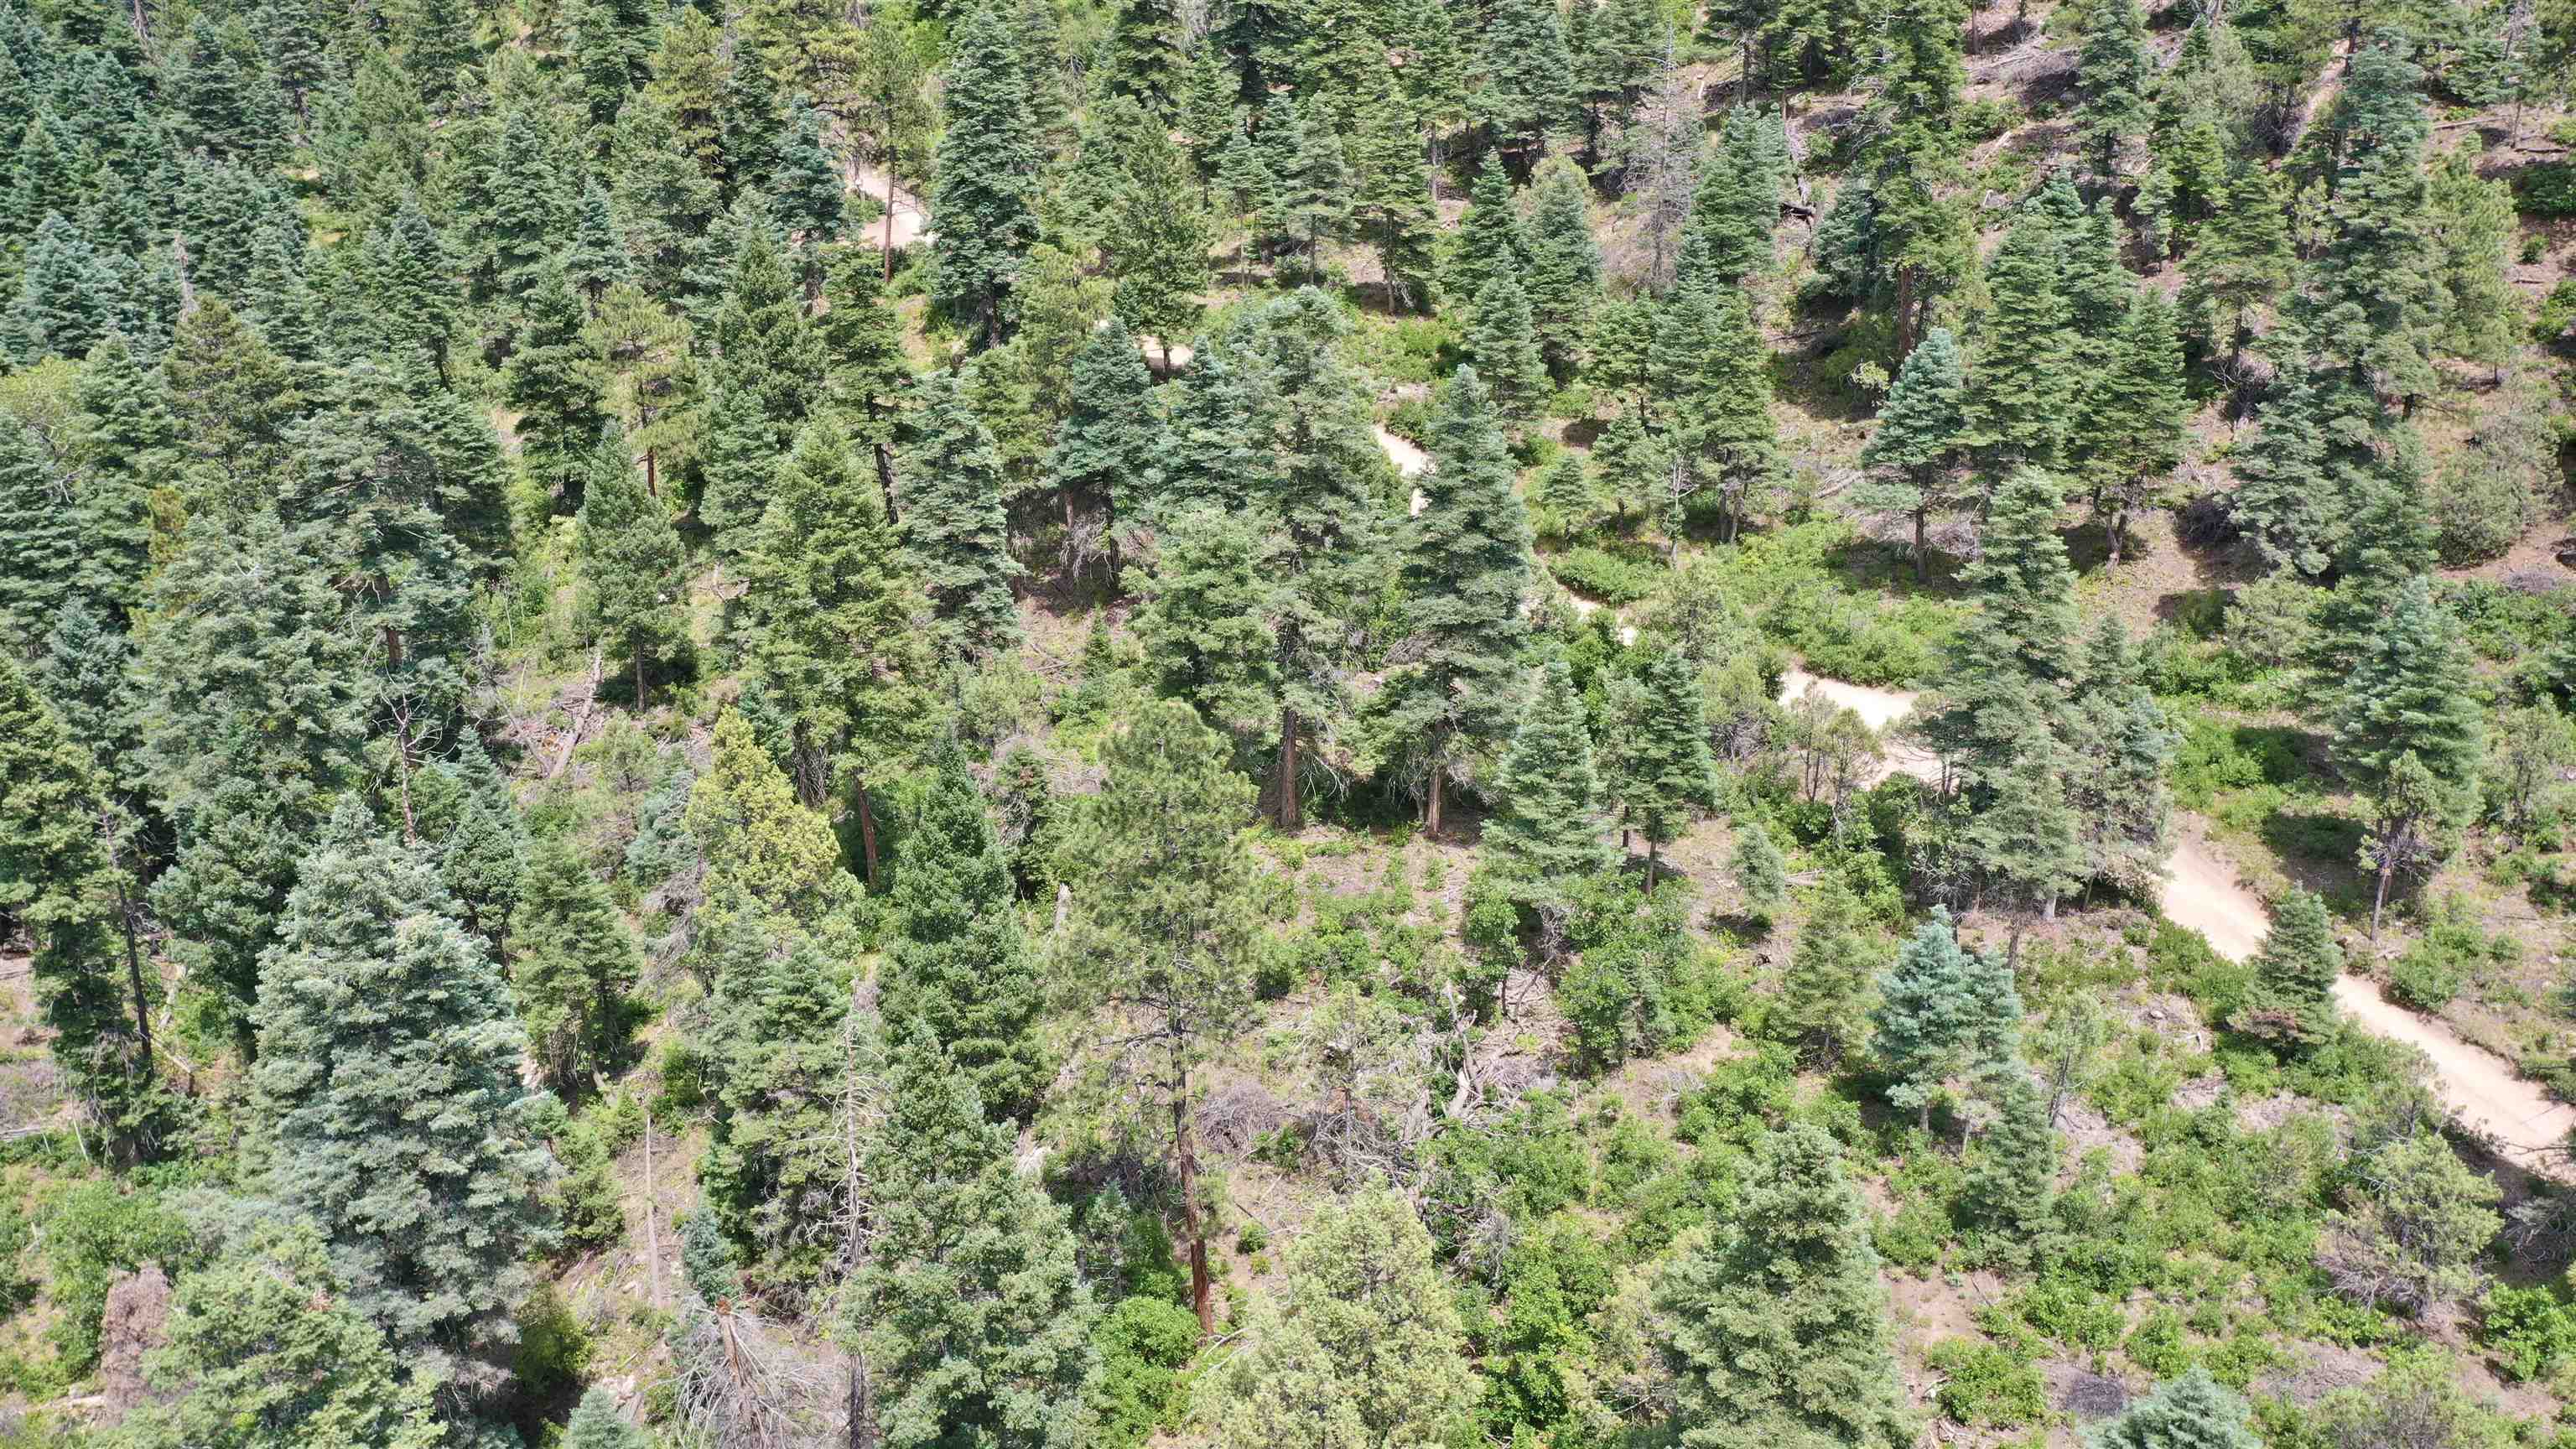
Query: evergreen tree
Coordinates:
[1716,389]
[957,963]
[1158,239]
[373,1005]
[484,859]
[1669,774]
[1912,456]
[1503,344]
[952,489]
[556,382]
[1311,175]
[68,298]
[1369,1350]
[597,259]
[265,1351]
[2242,263]
[40,531]
[572,964]
[1492,241]
[2191,1412]
[1164,922]
[1825,1001]
[1465,568]
[1563,277]
[989,164]
[1391,207]
[2290,1001]
[1778,1323]
[1208,617]
[1734,203]
[2122,746]
[1546,830]
[764,852]
[1761,873]
[777,1172]
[2114,72]
[1529,75]
[968,1304]
[2408,698]
[1925,1026]
[2472,237]
[2012,1172]
[125,445]
[2370,290]
[632,557]
[2022,386]
[597,1423]
[2129,430]
[1107,451]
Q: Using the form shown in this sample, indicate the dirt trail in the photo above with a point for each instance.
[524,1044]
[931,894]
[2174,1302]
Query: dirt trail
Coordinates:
[1879,709]
[910,216]
[2202,893]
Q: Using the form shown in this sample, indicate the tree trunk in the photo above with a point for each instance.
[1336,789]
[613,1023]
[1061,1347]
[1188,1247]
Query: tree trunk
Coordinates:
[863,1415]
[1650,865]
[2379,902]
[652,473]
[639,674]
[1287,806]
[134,976]
[1905,288]
[652,1232]
[2119,525]
[1201,1298]
[889,217]
[867,833]
[1922,550]
[1431,808]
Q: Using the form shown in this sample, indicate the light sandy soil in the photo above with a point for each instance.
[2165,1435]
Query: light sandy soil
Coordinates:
[910,216]
[2202,893]
[1880,709]
[1408,459]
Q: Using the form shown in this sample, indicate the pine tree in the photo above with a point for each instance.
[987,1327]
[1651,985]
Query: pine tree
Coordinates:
[958,965]
[1778,1321]
[40,531]
[1492,240]
[2472,236]
[1503,344]
[952,489]
[1164,921]
[1563,278]
[572,965]
[1912,455]
[1825,1003]
[2408,698]
[373,1005]
[1208,617]
[1670,774]
[2012,1171]
[1546,830]
[631,556]
[2122,747]
[2021,386]
[764,852]
[2191,1412]
[988,170]
[125,444]
[2290,1001]
[1391,206]
[1465,568]
[1761,873]
[2242,263]
[968,1305]
[1370,1348]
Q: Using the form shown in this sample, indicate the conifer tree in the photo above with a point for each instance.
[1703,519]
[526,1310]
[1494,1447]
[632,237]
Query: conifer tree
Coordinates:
[40,530]
[1546,830]
[1310,172]
[1529,88]
[1208,617]
[68,298]
[1391,210]
[1716,392]
[1465,568]
[125,445]
[764,852]
[1370,1348]
[2290,1001]
[1106,457]
[556,382]
[484,859]
[2022,382]
[1734,204]
[1158,238]
[1563,278]
[865,366]
[572,964]
[1164,921]
[777,1171]
[989,165]
[1917,446]
[1778,1323]
[597,259]
[968,1306]
[2370,287]
[2012,1171]
[597,1423]
[1503,344]
[2129,430]
[1924,1027]
[632,557]
[2407,699]
[952,488]
[2242,263]
[1492,240]
[1668,773]
[2122,745]
[1825,1002]
[1761,873]
[2472,235]
[2191,1412]
[957,962]
[373,1003]
[2114,72]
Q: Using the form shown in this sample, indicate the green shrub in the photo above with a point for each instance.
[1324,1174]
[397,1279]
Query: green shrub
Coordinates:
[2547,190]
[1144,1343]
[93,1232]
[2452,953]
[1614,579]
[1988,1386]
[2157,1344]
[2530,1330]
[2071,1313]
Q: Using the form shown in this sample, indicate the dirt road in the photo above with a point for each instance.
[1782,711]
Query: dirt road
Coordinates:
[2202,893]
[910,216]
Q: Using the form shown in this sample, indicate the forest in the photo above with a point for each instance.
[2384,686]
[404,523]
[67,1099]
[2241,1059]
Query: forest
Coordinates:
[1287,724]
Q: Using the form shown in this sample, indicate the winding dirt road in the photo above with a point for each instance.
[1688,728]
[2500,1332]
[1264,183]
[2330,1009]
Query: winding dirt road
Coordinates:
[2202,893]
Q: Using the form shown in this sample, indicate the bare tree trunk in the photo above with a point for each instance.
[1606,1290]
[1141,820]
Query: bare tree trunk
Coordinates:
[889,217]
[1289,818]
[863,1413]
[2379,902]
[1431,809]
[1922,550]
[134,975]
[639,674]
[1201,1295]
[1650,865]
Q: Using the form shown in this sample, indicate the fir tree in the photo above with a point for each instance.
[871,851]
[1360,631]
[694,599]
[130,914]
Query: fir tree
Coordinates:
[1717,391]
[1465,568]
[597,1423]
[1492,240]
[1669,774]
[2012,1171]
[2242,263]
[1503,344]
[632,557]
[1825,1003]
[1208,618]
[777,1170]
[1778,1321]
[69,299]
[1529,74]
[557,384]
[2113,73]
[572,964]
[952,488]
[988,170]
[40,531]
[1158,239]
[1107,451]
[764,852]
[1391,209]
[2129,430]
[2191,1412]
[2407,698]
[1761,873]
[2290,1002]
[373,1004]
[2472,236]
[831,629]
[2122,746]
[2371,293]
[968,1303]
[484,859]
[1563,278]
[1912,456]
[125,445]
[1546,831]
[957,963]
[1925,1025]
[2022,383]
